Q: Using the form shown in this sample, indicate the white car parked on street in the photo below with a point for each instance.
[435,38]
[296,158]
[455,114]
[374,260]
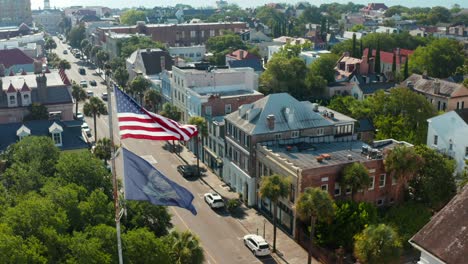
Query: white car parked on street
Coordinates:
[257,245]
[86,129]
[214,200]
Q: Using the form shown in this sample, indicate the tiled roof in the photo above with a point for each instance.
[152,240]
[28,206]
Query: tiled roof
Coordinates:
[290,114]
[10,57]
[387,57]
[446,235]
[72,137]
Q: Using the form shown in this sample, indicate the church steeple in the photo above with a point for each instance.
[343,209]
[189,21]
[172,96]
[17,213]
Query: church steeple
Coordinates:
[46,4]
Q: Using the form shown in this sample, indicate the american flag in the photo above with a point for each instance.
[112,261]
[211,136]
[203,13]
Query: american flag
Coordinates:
[137,122]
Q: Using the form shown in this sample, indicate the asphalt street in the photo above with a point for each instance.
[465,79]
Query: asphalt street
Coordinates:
[220,234]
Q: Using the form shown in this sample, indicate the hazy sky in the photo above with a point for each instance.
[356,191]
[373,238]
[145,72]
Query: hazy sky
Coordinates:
[35,4]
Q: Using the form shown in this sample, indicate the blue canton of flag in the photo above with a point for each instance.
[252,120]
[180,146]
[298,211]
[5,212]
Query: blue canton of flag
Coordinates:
[143,182]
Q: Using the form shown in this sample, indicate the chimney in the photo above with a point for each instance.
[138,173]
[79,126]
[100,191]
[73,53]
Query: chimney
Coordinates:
[436,86]
[2,70]
[241,53]
[37,67]
[271,122]
[41,81]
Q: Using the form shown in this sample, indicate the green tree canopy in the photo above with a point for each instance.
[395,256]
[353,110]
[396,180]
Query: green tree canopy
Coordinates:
[440,59]
[144,214]
[121,76]
[152,99]
[79,94]
[142,246]
[37,111]
[132,16]
[139,86]
[103,149]
[356,176]
[402,163]
[171,111]
[186,248]
[377,244]
[324,67]
[94,108]
[76,35]
[128,46]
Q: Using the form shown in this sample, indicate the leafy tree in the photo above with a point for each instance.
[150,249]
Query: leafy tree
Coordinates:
[356,177]
[15,249]
[227,41]
[439,14]
[357,28]
[50,44]
[121,76]
[405,70]
[325,67]
[343,104]
[396,10]
[274,188]
[402,163]
[144,214]
[79,94]
[284,75]
[440,59]
[94,108]
[377,244]
[138,241]
[97,209]
[350,219]
[76,35]
[84,44]
[64,65]
[86,249]
[377,58]
[314,204]
[353,51]
[434,183]
[171,111]
[84,170]
[103,149]
[134,43]
[316,86]
[408,218]
[102,57]
[152,99]
[37,111]
[185,248]
[116,63]
[394,63]
[202,128]
[132,16]
[139,86]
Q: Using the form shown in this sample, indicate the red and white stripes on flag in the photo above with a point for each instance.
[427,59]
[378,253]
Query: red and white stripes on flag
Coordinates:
[137,122]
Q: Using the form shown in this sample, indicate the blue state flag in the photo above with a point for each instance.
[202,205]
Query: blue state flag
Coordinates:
[143,182]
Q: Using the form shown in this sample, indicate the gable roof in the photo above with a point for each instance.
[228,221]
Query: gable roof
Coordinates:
[152,60]
[72,136]
[426,85]
[446,235]
[463,113]
[290,114]
[387,57]
[10,57]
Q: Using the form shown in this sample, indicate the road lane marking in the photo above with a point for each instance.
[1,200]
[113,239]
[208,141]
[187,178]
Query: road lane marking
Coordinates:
[186,226]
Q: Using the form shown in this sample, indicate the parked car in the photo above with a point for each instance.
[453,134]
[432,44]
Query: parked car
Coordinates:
[104,96]
[77,55]
[83,84]
[93,83]
[79,116]
[82,71]
[214,200]
[65,51]
[186,171]
[89,93]
[86,129]
[257,245]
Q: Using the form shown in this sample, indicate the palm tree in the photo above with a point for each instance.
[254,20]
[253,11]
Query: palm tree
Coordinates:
[186,248]
[103,149]
[121,76]
[138,86]
[172,112]
[402,163]
[273,188]
[94,108]
[152,100]
[79,94]
[377,244]
[201,125]
[314,204]
[356,177]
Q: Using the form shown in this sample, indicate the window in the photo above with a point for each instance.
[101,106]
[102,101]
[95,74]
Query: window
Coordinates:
[277,136]
[202,33]
[320,131]
[451,146]
[208,110]
[463,105]
[394,180]
[382,179]
[436,138]
[193,34]
[12,99]
[324,187]
[371,184]
[212,33]
[337,189]
[26,98]
[227,109]
[380,202]
[295,134]
[292,193]
[348,190]
[57,137]
[466,151]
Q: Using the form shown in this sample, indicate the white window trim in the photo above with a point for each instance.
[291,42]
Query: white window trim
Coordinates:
[60,137]
[384,180]
[350,190]
[394,180]
[295,134]
[337,187]
[372,185]
[326,187]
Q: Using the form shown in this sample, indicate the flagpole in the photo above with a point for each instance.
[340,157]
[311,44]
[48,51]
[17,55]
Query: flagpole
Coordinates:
[114,174]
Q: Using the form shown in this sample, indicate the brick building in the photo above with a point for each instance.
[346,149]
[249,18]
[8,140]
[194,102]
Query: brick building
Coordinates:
[313,164]
[175,35]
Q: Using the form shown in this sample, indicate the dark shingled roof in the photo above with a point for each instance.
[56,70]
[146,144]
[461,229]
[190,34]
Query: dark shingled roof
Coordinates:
[463,113]
[152,61]
[446,235]
[255,64]
[72,137]
[426,86]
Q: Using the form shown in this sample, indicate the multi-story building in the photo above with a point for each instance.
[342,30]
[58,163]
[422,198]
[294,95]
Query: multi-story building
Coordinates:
[49,89]
[443,95]
[448,134]
[148,62]
[189,53]
[175,35]
[279,119]
[311,162]
[207,80]
[15,61]
[13,13]
[49,18]
[112,44]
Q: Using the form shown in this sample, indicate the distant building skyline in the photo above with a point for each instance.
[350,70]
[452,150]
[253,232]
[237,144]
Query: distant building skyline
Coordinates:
[36,4]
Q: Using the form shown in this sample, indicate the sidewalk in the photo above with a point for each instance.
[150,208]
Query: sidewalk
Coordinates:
[288,251]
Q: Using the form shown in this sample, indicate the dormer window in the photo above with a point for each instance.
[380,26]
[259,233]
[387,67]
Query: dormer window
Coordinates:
[12,99]
[23,132]
[26,99]
[56,131]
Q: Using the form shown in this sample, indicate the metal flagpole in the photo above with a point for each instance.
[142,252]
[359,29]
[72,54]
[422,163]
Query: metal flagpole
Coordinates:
[114,174]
